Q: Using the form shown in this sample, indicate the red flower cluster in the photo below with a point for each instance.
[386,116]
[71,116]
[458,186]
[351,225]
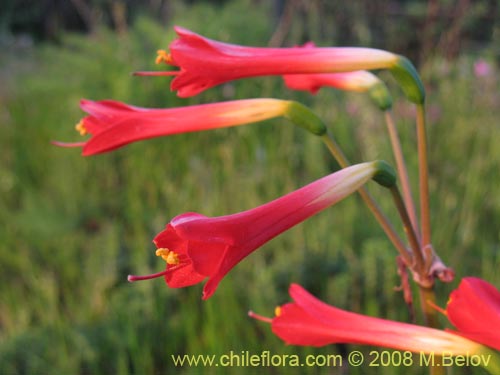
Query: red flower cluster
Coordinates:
[196,247]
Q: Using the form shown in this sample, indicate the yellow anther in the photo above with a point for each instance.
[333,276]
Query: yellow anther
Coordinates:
[162,252]
[168,256]
[163,56]
[277,311]
[80,128]
[172,258]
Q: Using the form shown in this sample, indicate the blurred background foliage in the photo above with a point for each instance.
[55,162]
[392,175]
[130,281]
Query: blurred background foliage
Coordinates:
[72,228]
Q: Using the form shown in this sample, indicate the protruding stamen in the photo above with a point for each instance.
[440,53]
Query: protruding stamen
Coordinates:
[437,308]
[68,144]
[251,314]
[80,128]
[168,256]
[163,56]
[157,74]
[132,278]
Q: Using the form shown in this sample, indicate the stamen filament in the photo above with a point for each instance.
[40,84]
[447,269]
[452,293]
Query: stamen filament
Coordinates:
[251,314]
[68,144]
[157,73]
[132,278]
[437,308]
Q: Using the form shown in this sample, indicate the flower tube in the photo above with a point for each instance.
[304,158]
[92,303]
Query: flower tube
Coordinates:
[356,81]
[204,63]
[311,322]
[196,247]
[113,124]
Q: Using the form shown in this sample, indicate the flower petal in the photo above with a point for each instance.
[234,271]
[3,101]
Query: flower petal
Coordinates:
[474,309]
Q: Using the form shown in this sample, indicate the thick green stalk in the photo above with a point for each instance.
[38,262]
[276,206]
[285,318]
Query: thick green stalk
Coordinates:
[427,300]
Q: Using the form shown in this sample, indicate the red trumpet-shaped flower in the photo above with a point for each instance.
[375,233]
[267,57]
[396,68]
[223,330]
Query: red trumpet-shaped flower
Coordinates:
[474,309]
[196,247]
[205,63]
[357,81]
[310,322]
[113,124]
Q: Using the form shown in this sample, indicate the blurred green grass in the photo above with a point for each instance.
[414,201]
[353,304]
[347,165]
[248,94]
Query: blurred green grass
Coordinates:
[72,228]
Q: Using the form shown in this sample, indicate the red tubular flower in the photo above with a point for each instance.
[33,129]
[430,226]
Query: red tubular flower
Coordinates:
[358,81]
[196,247]
[114,124]
[474,309]
[309,322]
[205,63]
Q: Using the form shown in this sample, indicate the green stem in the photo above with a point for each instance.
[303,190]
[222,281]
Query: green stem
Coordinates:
[437,370]
[425,222]
[427,294]
[335,150]
[493,358]
[402,171]
[425,284]
[418,260]
[370,202]
[407,76]
[427,300]
[426,288]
